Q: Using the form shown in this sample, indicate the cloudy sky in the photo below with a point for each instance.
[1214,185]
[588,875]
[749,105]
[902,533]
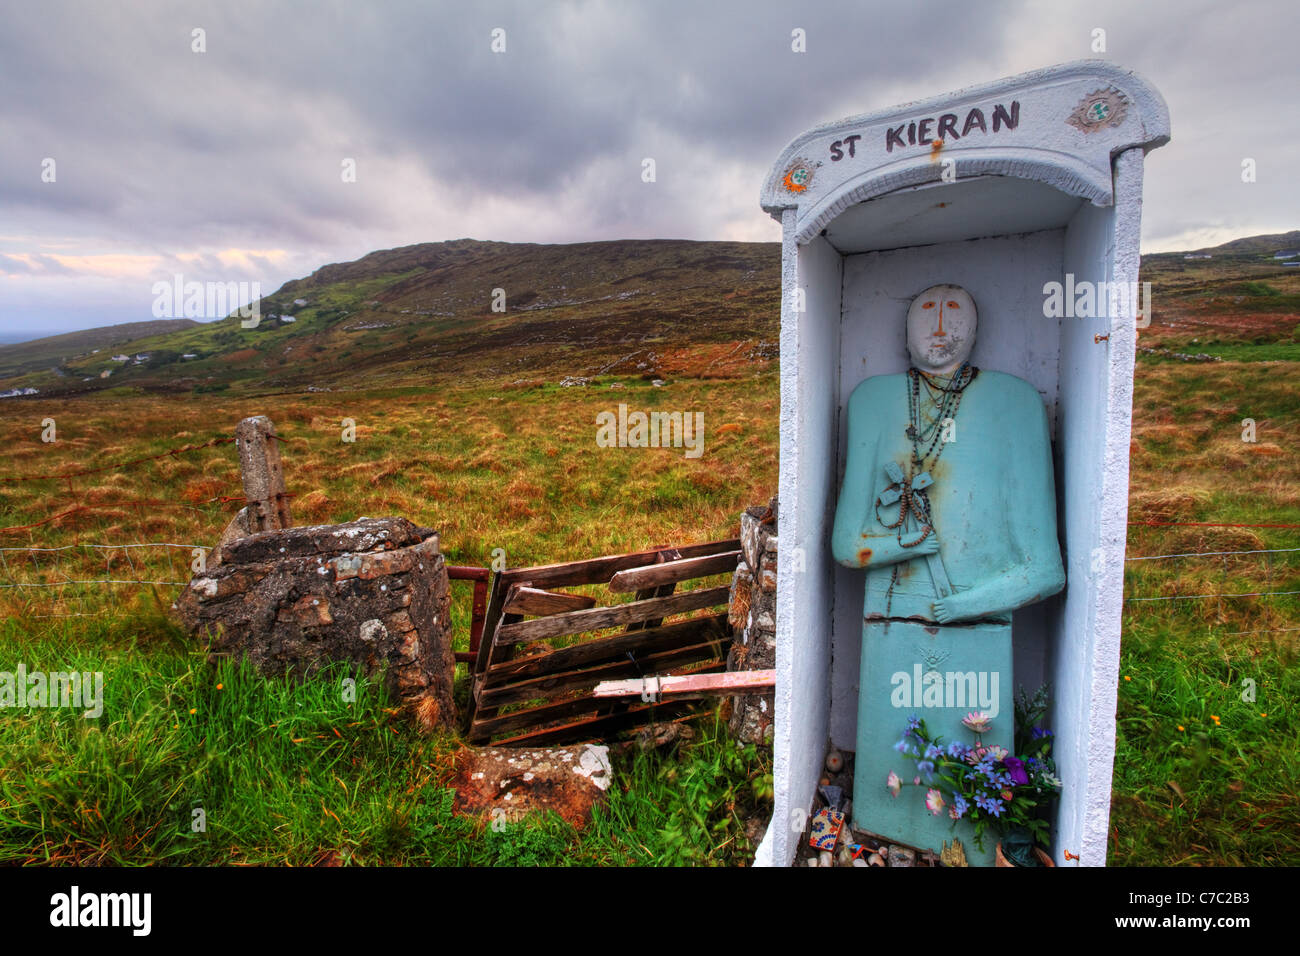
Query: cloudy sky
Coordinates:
[228,163]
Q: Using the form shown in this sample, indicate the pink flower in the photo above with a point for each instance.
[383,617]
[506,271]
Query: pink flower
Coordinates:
[992,751]
[977,722]
[934,802]
[893,784]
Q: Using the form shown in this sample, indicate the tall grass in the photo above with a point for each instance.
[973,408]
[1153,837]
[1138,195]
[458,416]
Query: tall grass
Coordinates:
[1208,751]
[198,764]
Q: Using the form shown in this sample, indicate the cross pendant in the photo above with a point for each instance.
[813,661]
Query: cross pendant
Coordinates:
[898,484]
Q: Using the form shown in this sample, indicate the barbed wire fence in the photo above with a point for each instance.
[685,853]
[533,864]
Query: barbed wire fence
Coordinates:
[1264,591]
[53,578]
[32,570]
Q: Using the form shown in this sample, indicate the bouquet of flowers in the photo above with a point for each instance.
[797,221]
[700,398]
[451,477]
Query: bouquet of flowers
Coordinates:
[986,785]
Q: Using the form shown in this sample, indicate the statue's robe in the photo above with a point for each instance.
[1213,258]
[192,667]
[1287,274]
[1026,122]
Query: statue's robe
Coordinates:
[993,506]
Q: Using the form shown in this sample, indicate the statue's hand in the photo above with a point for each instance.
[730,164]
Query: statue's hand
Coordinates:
[945,609]
[927,547]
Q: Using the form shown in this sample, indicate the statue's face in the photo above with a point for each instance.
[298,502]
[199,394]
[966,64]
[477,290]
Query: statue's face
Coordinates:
[941,328]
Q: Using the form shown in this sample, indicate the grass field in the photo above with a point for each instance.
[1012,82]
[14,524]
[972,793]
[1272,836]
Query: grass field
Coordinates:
[289,774]
[1208,758]
[286,774]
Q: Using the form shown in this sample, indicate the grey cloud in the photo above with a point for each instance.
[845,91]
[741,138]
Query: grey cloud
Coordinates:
[162,150]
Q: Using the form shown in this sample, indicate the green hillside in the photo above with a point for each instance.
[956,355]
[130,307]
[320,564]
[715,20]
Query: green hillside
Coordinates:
[424,313]
[1234,301]
[55,350]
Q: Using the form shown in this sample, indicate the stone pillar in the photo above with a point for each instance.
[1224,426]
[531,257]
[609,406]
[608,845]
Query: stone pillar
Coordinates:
[752,615]
[259,461]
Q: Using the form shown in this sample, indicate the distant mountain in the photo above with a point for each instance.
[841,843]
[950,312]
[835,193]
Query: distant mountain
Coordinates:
[1254,244]
[442,313]
[54,350]
[448,311]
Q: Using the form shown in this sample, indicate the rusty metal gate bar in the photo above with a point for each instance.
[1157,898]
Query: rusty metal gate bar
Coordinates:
[479,610]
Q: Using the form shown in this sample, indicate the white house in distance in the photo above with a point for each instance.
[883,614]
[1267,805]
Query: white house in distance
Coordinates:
[1001,189]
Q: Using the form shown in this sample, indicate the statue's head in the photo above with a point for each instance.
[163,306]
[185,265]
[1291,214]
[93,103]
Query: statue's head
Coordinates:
[941,328]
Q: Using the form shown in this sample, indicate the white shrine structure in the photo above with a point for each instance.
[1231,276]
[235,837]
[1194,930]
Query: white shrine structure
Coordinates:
[1003,189]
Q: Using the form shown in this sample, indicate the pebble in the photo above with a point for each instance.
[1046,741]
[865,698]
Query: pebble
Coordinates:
[875,860]
[824,858]
[835,761]
[861,862]
[902,856]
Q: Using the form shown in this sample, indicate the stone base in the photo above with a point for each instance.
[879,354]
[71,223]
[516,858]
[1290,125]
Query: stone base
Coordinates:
[896,655]
[373,592]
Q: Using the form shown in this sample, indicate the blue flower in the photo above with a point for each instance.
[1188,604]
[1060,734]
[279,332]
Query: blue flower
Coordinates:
[991,805]
[925,768]
[913,722]
[959,807]
[1039,732]
[905,746]
[931,752]
[957,750]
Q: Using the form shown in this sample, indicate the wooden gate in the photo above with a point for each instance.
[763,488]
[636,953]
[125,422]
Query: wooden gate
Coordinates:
[543,647]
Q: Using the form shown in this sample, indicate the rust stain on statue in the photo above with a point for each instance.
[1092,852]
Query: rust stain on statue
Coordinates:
[864,556]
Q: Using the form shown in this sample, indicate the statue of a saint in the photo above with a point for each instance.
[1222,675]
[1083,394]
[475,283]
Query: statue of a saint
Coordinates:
[949,504]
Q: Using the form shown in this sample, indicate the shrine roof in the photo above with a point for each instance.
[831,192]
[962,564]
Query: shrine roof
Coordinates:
[1058,126]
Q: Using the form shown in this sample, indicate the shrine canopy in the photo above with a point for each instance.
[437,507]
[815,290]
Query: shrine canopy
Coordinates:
[1050,135]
